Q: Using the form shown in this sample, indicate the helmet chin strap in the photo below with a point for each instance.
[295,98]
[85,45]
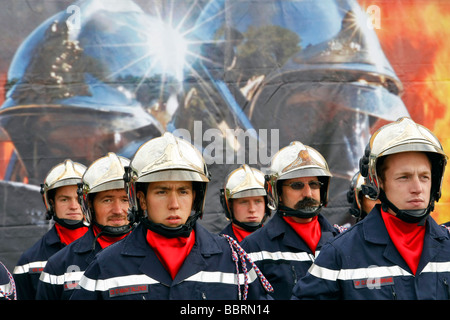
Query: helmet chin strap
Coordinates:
[69,224]
[110,231]
[300,213]
[113,231]
[248,226]
[183,230]
[418,216]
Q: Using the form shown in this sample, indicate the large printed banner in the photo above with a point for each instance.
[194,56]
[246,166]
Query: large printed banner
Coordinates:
[239,79]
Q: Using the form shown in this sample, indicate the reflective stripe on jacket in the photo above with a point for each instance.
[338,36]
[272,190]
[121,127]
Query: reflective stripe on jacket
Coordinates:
[30,265]
[130,269]
[64,269]
[281,254]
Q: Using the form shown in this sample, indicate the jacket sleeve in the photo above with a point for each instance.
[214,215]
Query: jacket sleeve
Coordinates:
[48,287]
[56,281]
[321,280]
[26,282]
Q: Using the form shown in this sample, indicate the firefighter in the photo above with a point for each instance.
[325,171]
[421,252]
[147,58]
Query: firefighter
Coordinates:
[360,205]
[169,255]
[244,200]
[105,204]
[297,187]
[398,251]
[59,193]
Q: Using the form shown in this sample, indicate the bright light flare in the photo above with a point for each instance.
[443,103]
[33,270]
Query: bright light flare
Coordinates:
[169,48]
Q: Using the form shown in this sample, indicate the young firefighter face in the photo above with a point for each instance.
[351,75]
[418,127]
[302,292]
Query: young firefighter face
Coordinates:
[168,202]
[249,209]
[66,203]
[407,180]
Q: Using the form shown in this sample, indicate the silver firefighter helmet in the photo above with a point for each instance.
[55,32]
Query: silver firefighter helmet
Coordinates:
[403,135]
[293,161]
[66,173]
[242,182]
[167,158]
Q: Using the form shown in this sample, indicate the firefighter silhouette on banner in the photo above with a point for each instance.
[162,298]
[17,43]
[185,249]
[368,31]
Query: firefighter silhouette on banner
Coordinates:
[314,70]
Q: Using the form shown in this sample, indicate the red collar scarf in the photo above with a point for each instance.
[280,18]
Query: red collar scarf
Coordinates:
[171,251]
[104,240]
[407,238]
[67,236]
[310,232]
[240,233]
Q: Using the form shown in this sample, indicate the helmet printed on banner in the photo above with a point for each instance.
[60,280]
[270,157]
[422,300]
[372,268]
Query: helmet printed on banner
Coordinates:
[167,158]
[240,183]
[79,75]
[105,173]
[339,69]
[67,173]
[315,62]
[403,135]
[293,161]
[319,39]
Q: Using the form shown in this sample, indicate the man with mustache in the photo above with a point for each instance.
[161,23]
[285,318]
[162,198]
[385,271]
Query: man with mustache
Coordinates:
[397,251]
[287,245]
[105,204]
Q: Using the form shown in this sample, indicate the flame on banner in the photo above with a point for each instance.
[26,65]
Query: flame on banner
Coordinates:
[415,37]
[438,27]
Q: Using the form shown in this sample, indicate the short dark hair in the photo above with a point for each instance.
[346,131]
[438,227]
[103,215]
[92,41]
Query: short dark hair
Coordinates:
[381,167]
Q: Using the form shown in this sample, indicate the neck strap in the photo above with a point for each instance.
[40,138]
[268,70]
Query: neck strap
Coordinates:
[69,224]
[300,213]
[248,226]
[410,216]
[181,231]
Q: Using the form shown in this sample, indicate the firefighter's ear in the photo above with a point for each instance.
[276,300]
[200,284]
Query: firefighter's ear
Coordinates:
[141,198]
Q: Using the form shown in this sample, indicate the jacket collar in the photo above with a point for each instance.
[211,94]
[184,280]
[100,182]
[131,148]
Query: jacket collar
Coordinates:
[84,244]
[135,244]
[279,228]
[206,244]
[52,237]
[375,231]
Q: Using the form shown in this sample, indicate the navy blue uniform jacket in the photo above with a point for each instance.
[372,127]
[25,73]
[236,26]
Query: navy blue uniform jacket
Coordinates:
[30,265]
[65,268]
[130,269]
[363,263]
[228,230]
[282,255]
